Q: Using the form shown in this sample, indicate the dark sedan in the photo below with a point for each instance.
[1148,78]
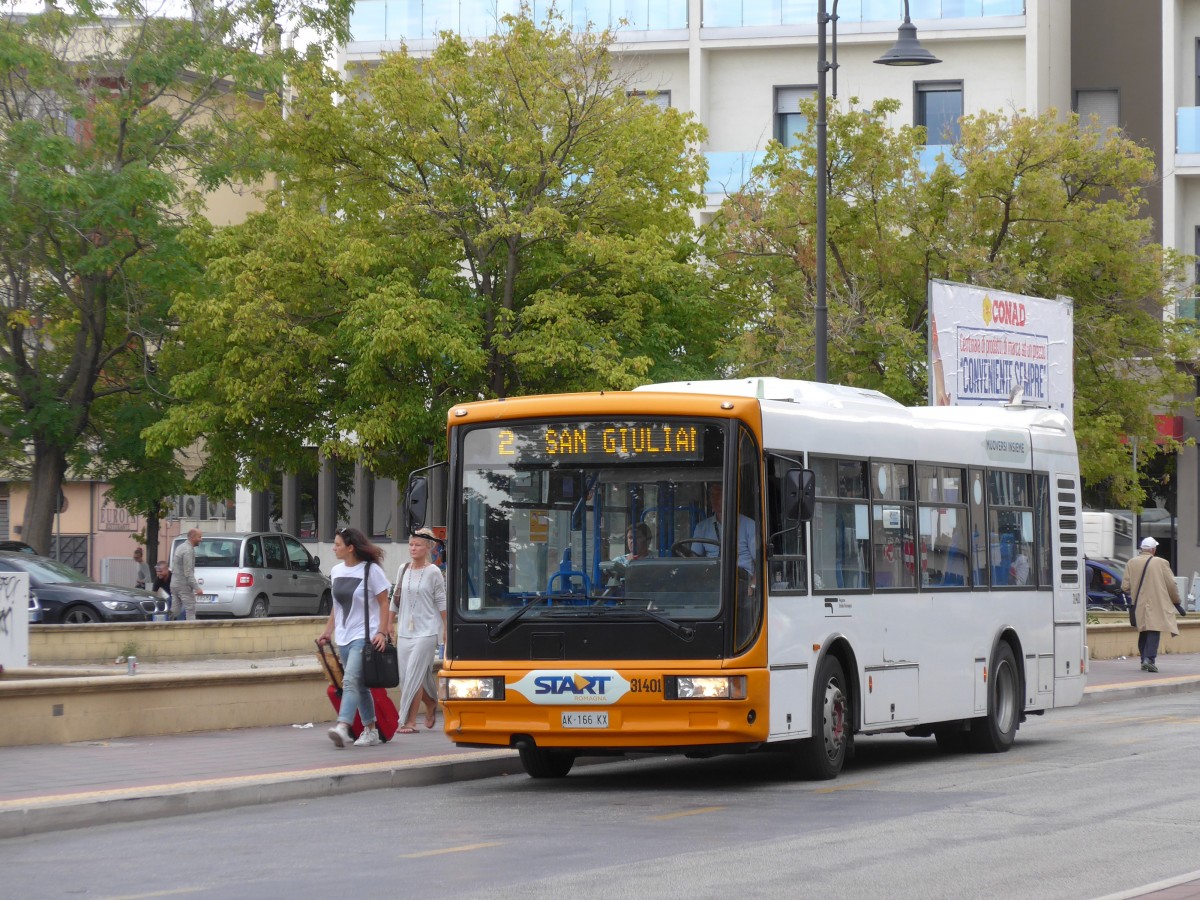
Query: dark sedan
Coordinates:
[1104,585]
[60,595]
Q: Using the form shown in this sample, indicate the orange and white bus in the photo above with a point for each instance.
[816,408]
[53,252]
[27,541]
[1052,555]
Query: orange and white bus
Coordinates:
[887,569]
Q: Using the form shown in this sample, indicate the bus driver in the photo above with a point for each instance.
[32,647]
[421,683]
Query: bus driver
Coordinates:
[708,533]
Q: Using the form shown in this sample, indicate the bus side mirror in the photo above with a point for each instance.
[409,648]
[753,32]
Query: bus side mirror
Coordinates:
[799,495]
[416,501]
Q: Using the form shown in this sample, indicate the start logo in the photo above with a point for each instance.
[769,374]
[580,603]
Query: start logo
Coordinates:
[571,687]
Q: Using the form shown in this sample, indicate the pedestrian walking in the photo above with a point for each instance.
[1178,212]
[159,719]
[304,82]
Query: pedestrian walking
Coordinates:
[419,607]
[1151,583]
[142,578]
[184,586]
[357,559]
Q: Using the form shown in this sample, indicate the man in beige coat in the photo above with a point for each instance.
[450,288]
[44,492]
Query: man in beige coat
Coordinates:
[1151,582]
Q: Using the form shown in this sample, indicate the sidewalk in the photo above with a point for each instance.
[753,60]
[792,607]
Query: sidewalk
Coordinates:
[52,787]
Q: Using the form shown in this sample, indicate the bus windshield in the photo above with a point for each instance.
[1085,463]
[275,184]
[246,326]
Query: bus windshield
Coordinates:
[590,518]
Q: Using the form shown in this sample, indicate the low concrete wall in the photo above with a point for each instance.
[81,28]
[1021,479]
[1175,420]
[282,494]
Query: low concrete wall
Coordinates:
[73,645]
[92,708]
[1113,639]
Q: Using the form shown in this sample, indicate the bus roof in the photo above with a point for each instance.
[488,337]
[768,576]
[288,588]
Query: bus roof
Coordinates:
[787,389]
[831,397]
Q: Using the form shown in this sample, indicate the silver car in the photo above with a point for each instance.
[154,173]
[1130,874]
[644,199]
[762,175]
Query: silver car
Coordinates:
[258,574]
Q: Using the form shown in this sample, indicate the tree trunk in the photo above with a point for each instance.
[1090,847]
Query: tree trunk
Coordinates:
[152,523]
[45,487]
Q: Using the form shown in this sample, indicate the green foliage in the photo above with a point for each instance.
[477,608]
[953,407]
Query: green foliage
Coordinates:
[111,131]
[498,218]
[1028,204]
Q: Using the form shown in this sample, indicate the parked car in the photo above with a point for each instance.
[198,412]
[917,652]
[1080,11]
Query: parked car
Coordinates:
[16,546]
[1104,585]
[258,574]
[59,594]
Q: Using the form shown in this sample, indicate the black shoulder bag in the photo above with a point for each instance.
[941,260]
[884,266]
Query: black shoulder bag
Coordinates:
[381,668]
[1133,605]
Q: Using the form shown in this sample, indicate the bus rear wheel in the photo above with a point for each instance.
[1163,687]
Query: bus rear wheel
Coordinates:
[996,731]
[545,763]
[821,757]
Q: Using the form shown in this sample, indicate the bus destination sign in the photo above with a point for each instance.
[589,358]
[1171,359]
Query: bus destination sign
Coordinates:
[598,442]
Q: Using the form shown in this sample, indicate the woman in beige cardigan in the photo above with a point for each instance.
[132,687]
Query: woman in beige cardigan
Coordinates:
[1152,583]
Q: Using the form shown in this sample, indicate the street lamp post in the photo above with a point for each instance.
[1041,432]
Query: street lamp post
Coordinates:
[907,51]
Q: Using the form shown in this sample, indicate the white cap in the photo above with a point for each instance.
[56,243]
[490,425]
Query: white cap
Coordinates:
[1149,543]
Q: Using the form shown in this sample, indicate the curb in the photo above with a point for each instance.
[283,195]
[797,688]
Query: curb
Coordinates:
[1179,684]
[37,815]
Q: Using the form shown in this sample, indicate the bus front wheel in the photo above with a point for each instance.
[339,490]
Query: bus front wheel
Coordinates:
[996,731]
[545,763]
[821,756]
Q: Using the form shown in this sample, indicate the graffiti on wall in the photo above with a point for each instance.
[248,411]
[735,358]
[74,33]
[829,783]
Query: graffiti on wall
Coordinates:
[14,619]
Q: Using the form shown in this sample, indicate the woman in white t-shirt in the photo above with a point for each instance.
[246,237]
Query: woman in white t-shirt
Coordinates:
[355,555]
[419,612]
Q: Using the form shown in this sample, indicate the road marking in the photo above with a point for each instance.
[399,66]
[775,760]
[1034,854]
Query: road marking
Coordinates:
[173,892]
[844,787]
[463,849]
[686,812]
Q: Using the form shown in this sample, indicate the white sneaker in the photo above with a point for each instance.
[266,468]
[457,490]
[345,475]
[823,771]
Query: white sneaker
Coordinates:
[340,735]
[369,738]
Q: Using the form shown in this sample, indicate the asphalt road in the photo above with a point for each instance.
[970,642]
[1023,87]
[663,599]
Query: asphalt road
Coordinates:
[1094,800]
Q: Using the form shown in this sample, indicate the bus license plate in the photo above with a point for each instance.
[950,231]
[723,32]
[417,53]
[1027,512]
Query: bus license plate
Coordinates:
[585,720]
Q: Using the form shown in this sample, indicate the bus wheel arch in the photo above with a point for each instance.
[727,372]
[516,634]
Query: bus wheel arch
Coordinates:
[996,731]
[834,712]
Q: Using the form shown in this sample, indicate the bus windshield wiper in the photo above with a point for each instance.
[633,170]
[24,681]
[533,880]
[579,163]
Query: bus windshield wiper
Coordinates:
[686,632]
[504,625]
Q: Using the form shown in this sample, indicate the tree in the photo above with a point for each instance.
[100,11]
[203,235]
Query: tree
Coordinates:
[1023,203]
[502,217]
[112,129]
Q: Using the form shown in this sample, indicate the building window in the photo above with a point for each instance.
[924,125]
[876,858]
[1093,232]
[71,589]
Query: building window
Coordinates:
[1196,279]
[788,120]
[661,99]
[939,106]
[383,508]
[1104,105]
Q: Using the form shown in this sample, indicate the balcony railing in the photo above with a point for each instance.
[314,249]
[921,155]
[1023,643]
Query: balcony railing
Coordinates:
[413,20]
[1187,129]
[729,171]
[751,13]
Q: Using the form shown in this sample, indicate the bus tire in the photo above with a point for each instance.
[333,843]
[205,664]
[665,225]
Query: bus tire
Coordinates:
[995,732]
[821,756]
[539,763]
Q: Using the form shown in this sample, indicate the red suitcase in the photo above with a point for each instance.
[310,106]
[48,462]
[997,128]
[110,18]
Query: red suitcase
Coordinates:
[387,718]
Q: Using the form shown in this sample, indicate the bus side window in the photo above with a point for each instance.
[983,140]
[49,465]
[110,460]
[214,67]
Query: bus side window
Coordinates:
[787,557]
[841,531]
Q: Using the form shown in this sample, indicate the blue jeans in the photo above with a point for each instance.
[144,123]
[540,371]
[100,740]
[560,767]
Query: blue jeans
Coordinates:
[355,696]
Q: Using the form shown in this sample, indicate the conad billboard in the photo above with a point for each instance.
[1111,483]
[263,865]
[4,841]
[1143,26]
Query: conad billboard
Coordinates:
[984,344]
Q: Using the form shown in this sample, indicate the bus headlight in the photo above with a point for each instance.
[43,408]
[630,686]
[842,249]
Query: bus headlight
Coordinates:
[488,688]
[705,687]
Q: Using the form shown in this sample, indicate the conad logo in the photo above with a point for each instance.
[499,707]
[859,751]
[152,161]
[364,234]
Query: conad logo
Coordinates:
[1003,312]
